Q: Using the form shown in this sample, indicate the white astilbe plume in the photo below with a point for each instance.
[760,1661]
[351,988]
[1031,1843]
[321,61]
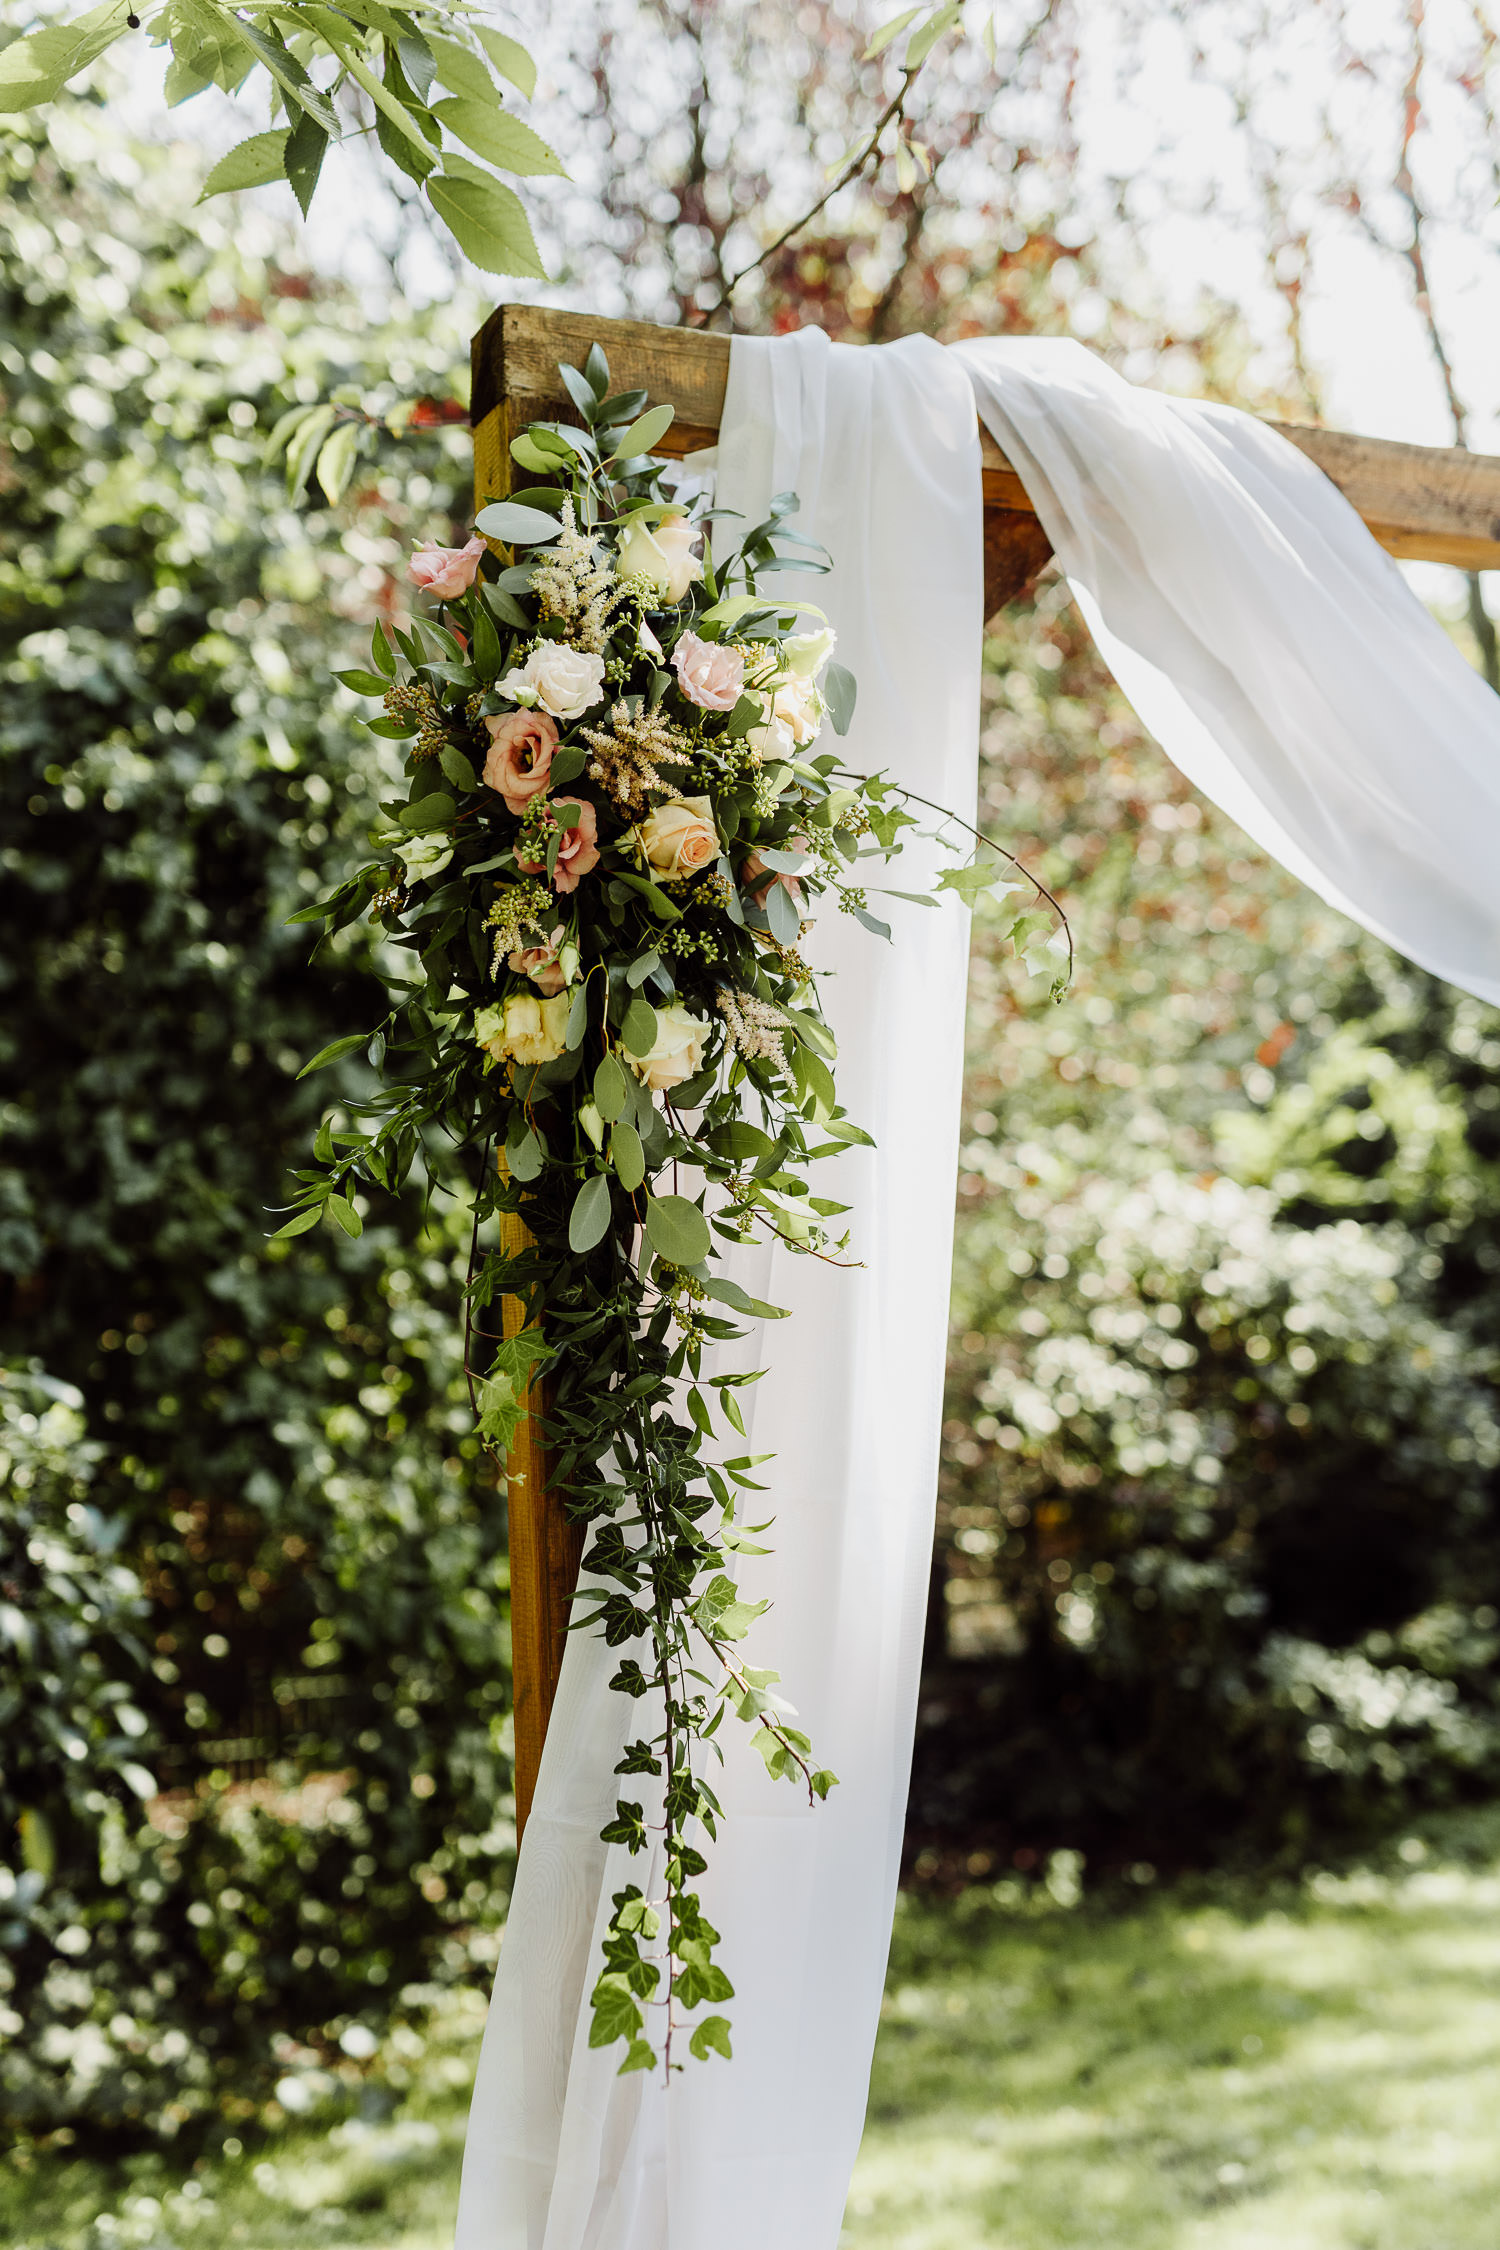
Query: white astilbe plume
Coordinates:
[756,1028]
[575,583]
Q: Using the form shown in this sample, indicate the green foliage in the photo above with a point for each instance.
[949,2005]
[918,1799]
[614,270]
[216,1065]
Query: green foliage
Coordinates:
[1220,1562]
[394,58]
[270,1446]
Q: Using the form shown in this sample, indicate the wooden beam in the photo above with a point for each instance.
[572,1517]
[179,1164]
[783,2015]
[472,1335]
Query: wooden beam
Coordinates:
[1423,503]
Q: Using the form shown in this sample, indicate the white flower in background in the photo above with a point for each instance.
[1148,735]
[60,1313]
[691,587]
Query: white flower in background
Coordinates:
[663,557]
[807,653]
[675,1054]
[424,857]
[560,679]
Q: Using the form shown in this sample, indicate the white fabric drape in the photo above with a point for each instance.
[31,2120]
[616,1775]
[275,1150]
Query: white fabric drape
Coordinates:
[1283,663]
[882,447]
[1273,649]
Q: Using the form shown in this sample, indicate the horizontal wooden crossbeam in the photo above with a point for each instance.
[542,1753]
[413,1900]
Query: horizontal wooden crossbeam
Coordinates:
[1423,503]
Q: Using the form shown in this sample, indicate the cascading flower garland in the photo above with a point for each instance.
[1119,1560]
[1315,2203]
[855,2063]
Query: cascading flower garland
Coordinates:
[617,828]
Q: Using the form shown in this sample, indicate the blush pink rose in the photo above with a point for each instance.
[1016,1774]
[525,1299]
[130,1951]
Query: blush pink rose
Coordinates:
[445,571]
[577,854]
[541,963]
[708,674]
[520,756]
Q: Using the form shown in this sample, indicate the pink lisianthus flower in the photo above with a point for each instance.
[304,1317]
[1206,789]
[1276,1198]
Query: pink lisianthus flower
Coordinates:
[708,674]
[445,571]
[577,854]
[541,962]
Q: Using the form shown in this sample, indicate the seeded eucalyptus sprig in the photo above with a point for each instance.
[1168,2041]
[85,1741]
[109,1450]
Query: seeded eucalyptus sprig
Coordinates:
[616,831]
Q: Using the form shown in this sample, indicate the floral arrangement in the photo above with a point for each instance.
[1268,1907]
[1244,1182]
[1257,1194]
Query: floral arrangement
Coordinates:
[621,819]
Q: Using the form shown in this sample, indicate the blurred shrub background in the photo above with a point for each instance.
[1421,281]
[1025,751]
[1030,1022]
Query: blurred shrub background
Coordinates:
[1217,1575]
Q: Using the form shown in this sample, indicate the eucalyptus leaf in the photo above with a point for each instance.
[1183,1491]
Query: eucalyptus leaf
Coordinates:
[588,1222]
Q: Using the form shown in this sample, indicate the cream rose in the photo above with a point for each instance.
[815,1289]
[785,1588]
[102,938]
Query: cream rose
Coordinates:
[519,758]
[773,743]
[445,571]
[680,838]
[708,674]
[523,1029]
[663,557]
[561,679]
[675,1054]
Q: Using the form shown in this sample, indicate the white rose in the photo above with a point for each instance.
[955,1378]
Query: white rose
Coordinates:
[524,1029]
[807,653]
[774,742]
[675,1054]
[558,678]
[424,856]
[663,557]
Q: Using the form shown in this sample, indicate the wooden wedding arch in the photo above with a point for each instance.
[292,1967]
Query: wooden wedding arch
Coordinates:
[1421,502]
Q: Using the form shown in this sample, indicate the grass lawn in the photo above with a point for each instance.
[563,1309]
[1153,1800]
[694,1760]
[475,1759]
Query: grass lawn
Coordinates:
[1313,2067]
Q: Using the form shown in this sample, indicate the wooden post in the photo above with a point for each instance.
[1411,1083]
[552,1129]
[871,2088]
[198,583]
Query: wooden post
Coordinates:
[1421,502]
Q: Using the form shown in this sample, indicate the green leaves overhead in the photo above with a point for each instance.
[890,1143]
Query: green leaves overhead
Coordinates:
[314,59]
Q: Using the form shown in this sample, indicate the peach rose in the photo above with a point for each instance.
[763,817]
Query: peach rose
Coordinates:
[445,571]
[519,758]
[680,838]
[577,854]
[708,674]
[541,963]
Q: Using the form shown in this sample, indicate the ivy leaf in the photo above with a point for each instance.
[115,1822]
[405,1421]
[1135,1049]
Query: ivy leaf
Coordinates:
[677,1230]
[616,2014]
[250,164]
[588,1221]
[501,1396]
[710,2037]
[639,2055]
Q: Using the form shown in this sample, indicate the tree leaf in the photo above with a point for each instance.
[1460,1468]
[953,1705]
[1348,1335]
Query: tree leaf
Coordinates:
[250,164]
[588,1221]
[35,69]
[677,1230]
[509,58]
[487,222]
[340,1208]
[336,459]
[299,1223]
[461,69]
[332,1052]
[306,146]
[500,139]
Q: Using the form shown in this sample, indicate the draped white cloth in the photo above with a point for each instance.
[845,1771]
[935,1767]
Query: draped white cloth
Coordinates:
[1273,649]
[883,449]
[1281,660]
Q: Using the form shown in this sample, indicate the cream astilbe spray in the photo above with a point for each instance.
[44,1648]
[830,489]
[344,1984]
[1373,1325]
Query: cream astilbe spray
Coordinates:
[618,816]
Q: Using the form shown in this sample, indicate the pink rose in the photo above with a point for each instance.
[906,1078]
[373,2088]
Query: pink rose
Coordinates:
[445,571]
[708,673]
[577,854]
[540,962]
[758,879]
[520,756]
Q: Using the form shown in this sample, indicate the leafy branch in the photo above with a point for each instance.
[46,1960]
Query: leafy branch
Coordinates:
[422,77]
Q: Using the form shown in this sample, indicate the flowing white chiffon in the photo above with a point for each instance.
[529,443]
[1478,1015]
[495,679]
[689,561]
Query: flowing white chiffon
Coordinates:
[883,449]
[1281,660]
